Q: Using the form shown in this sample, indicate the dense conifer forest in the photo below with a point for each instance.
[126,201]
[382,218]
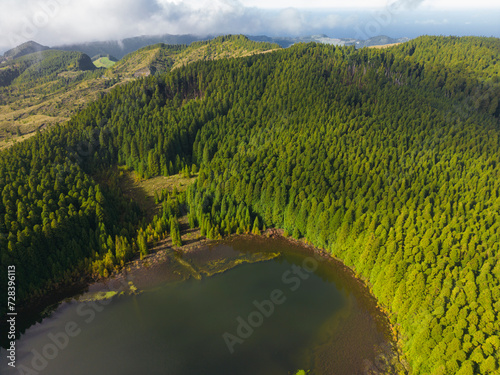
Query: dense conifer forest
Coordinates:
[387,159]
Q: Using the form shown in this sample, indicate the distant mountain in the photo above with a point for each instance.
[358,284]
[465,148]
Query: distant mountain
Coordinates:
[379,41]
[286,42]
[100,56]
[120,48]
[24,49]
[30,68]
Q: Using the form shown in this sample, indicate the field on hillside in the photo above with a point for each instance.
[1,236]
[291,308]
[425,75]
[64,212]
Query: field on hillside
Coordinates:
[42,107]
[104,62]
[143,191]
[385,46]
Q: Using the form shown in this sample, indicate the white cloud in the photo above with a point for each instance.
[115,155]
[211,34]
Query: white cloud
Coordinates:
[68,21]
[432,22]
[364,4]
[55,22]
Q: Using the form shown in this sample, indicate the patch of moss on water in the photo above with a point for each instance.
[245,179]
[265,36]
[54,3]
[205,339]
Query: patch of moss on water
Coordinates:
[105,295]
[189,268]
[98,296]
[225,264]
[132,288]
[196,267]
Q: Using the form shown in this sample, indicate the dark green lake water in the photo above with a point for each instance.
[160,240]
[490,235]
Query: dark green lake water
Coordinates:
[273,316]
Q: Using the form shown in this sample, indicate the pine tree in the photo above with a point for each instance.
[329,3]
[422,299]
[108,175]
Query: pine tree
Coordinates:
[256,226]
[175,232]
[142,245]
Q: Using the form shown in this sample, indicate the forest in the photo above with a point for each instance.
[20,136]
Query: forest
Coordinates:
[385,158]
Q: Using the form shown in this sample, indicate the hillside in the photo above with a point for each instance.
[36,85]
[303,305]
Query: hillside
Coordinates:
[222,47]
[286,42]
[386,159]
[44,88]
[148,60]
[47,88]
[381,40]
[31,68]
[161,58]
[48,64]
[23,50]
[126,46]
[121,48]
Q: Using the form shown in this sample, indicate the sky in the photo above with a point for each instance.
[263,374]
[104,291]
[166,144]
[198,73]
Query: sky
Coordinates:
[57,22]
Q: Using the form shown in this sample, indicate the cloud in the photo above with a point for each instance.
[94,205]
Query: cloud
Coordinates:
[64,21]
[432,22]
[56,22]
[408,4]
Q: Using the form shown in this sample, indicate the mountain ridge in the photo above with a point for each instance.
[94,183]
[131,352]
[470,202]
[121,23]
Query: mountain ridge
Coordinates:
[121,48]
[53,98]
[24,49]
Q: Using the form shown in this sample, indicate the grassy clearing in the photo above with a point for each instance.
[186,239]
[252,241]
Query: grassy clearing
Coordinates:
[35,110]
[210,52]
[143,191]
[134,63]
[385,46]
[6,142]
[104,62]
[156,184]
[15,127]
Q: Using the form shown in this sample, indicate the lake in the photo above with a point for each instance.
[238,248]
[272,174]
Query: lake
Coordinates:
[244,305]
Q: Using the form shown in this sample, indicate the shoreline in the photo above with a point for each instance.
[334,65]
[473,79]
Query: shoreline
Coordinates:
[195,241]
[157,257]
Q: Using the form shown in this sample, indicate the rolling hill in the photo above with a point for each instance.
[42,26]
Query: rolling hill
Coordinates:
[121,48]
[286,42]
[47,88]
[161,58]
[44,88]
[126,46]
[24,49]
